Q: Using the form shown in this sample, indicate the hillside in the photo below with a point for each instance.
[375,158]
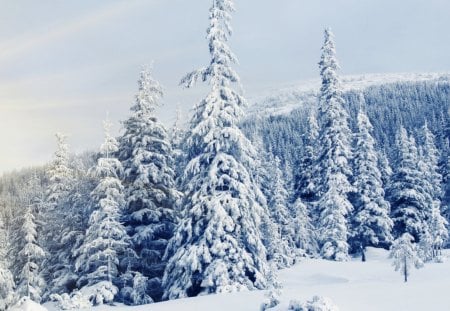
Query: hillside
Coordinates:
[300,94]
[352,286]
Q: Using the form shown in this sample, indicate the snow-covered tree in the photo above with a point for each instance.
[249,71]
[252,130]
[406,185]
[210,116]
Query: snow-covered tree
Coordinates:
[385,169]
[431,182]
[404,253]
[409,201]
[217,246]
[264,179]
[53,211]
[333,159]
[371,224]
[305,235]
[135,289]
[306,179]
[106,239]
[439,233]
[177,135]
[151,196]
[282,218]
[7,284]
[60,174]
[30,282]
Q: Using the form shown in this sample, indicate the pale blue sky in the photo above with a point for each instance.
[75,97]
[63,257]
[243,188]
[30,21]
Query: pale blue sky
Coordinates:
[63,64]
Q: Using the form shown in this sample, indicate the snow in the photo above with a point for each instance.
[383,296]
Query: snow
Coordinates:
[25,304]
[286,98]
[352,286]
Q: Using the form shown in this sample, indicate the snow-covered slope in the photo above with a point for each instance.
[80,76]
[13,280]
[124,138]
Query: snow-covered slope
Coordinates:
[284,99]
[352,286]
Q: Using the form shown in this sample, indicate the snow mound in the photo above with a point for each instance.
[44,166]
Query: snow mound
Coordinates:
[376,254]
[25,304]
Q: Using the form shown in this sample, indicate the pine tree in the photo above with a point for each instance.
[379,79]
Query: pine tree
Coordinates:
[106,239]
[217,246]
[30,282]
[385,169]
[431,182]
[371,224]
[53,211]
[7,284]
[151,195]
[264,178]
[177,135]
[285,253]
[306,184]
[409,201]
[333,159]
[305,236]
[404,254]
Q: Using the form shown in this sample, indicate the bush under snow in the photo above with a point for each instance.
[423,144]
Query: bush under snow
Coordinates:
[317,303]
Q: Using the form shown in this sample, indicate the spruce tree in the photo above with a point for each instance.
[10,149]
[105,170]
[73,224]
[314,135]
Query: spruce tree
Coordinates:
[333,159]
[371,223]
[305,236]
[54,211]
[177,136]
[409,201]
[7,284]
[431,183]
[217,246]
[106,238]
[30,283]
[280,213]
[306,180]
[151,196]
[264,179]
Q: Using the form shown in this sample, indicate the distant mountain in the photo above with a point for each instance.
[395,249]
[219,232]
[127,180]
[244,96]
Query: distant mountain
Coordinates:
[304,93]
[280,116]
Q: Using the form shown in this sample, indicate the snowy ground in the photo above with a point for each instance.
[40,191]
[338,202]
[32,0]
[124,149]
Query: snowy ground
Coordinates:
[353,286]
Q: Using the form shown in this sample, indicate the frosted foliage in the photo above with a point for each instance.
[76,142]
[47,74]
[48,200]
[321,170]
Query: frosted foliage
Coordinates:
[106,238]
[218,246]
[333,159]
[283,220]
[404,255]
[31,283]
[74,301]
[6,288]
[146,154]
[409,200]
[53,211]
[305,236]
[317,303]
[371,224]
[6,277]
[100,293]
[432,184]
[306,187]
[60,174]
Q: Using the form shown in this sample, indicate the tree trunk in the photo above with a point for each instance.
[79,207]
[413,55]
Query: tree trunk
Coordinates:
[363,254]
[405,270]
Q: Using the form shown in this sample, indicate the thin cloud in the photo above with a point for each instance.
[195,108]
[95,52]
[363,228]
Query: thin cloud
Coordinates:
[27,43]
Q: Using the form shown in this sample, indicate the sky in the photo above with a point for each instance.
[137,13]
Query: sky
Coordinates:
[66,65]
